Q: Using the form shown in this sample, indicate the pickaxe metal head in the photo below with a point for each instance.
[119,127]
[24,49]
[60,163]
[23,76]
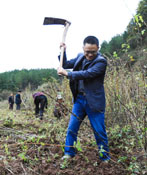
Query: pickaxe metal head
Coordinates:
[50,21]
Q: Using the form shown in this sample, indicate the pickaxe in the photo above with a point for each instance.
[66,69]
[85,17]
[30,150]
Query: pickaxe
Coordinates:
[50,21]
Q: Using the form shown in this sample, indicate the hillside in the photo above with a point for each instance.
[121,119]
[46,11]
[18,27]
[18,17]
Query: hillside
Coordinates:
[31,146]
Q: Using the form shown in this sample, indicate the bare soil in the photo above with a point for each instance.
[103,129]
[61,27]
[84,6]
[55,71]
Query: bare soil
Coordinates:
[21,156]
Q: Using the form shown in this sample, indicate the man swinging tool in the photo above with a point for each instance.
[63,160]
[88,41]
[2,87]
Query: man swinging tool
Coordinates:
[87,86]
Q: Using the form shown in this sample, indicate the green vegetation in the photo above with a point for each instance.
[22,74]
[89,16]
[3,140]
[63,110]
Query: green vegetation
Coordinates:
[20,79]
[30,143]
[31,146]
[135,35]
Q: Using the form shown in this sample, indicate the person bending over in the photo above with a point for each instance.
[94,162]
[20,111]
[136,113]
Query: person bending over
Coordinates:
[40,101]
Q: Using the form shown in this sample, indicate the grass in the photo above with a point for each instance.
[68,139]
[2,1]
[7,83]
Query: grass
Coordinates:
[31,141]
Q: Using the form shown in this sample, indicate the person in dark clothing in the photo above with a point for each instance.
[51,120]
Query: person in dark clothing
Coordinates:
[18,100]
[59,109]
[11,101]
[87,87]
[40,101]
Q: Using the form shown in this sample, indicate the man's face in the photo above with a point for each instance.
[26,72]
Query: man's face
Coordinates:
[90,51]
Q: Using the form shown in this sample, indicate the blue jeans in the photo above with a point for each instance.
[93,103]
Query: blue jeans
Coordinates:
[81,109]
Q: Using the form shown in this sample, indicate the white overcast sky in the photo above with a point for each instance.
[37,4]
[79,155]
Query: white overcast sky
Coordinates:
[25,43]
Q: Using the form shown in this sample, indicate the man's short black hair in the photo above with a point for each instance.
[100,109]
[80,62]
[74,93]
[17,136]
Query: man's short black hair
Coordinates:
[91,40]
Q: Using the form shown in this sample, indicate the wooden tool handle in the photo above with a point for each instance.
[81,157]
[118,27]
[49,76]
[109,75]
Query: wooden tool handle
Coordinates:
[63,41]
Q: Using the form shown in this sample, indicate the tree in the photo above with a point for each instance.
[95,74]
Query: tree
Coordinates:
[16,79]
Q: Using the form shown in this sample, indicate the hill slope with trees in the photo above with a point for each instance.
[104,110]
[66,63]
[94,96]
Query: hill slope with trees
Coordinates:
[20,79]
[135,36]
[32,146]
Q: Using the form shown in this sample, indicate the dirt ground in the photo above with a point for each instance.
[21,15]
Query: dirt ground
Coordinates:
[45,159]
[85,163]
[21,156]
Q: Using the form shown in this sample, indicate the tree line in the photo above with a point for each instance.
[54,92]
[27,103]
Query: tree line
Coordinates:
[134,36]
[20,79]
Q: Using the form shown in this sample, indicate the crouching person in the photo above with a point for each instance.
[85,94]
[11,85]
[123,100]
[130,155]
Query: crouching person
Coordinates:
[40,101]
[59,109]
